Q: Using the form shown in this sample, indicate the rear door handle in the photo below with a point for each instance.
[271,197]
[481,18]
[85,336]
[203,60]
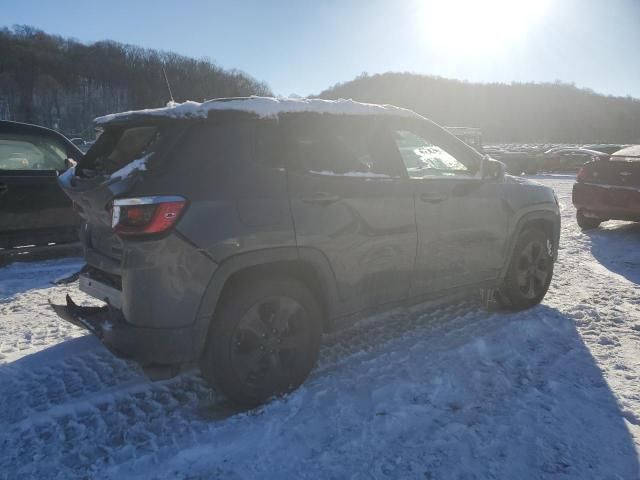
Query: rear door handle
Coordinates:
[433,197]
[322,198]
[4,188]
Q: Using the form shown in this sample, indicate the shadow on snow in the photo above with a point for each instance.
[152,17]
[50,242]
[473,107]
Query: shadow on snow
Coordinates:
[618,248]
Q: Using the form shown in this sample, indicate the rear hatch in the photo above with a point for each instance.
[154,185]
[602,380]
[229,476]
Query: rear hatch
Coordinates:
[122,157]
[622,169]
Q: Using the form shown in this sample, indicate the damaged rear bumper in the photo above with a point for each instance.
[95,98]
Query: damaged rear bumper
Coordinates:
[147,346]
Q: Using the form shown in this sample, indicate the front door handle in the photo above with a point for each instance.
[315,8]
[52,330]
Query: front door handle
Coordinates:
[322,198]
[433,197]
[4,188]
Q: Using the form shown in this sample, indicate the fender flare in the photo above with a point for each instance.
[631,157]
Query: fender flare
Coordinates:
[263,257]
[550,216]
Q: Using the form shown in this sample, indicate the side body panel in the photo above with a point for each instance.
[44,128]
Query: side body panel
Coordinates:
[462,232]
[235,205]
[237,201]
[362,222]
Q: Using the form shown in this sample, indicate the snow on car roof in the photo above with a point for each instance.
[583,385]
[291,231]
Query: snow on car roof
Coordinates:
[262,107]
[632,151]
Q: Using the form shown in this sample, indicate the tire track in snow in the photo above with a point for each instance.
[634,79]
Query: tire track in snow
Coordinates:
[93,410]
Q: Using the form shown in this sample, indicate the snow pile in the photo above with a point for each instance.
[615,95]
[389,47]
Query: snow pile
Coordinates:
[262,107]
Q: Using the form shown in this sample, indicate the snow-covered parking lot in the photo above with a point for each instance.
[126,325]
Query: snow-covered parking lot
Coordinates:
[456,392]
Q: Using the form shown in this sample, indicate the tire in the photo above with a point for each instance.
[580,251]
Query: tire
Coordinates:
[263,341]
[587,223]
[530,271]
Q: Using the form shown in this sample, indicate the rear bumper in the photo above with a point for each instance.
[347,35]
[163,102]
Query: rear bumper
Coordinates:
[152,295]
[147,346]
[158,283]
[607,202]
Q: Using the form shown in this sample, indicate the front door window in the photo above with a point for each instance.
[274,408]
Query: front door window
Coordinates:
[423,159]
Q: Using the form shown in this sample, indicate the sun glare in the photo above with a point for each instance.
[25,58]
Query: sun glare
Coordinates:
[477,27]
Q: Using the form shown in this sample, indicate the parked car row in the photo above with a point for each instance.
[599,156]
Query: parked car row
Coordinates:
[556,159]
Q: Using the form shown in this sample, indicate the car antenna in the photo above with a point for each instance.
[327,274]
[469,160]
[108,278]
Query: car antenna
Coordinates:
[172,102]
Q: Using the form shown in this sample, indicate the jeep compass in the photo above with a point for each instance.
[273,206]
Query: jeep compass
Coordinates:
[233,233]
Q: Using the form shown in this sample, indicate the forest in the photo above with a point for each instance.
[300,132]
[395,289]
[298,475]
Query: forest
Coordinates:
[63,84]
[517,112]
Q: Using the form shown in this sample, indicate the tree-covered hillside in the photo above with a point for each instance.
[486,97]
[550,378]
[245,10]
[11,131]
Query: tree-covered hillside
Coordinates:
[519,112]
[58,82]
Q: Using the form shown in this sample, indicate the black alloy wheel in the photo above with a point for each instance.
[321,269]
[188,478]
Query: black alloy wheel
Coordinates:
[264,340]
[530,271]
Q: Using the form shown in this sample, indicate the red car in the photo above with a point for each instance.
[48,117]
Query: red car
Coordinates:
[609,189]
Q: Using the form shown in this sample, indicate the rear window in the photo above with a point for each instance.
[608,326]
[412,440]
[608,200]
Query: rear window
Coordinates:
[117,147]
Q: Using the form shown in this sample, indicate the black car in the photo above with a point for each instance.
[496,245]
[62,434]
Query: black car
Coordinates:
[33,208]
[235,232]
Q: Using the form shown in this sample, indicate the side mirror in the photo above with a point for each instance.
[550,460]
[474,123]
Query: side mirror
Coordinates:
[492,169]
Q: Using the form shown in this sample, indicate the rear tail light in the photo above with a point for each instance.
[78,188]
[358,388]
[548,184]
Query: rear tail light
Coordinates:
[145,215]
[582,175]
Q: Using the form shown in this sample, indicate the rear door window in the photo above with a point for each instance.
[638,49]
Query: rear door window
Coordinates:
[30,152]
[344,147]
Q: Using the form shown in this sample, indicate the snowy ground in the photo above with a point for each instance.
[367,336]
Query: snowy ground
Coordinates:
[450,393]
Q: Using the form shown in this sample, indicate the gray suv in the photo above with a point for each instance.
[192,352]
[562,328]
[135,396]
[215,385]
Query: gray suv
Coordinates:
[235,232]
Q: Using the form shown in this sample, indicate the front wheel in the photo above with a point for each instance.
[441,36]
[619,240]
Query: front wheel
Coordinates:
[530,271]
[264,340]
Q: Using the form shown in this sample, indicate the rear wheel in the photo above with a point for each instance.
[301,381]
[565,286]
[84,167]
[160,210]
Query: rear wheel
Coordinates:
[264,340]
[587,223]
[530,271]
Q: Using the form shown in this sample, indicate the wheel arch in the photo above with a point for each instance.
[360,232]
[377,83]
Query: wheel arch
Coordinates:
[547,220]
[308,266]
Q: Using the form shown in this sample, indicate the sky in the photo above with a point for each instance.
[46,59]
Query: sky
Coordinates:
[303,47]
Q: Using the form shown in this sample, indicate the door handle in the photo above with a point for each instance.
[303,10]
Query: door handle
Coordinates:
[322,198]
[4,188]
[433,197]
